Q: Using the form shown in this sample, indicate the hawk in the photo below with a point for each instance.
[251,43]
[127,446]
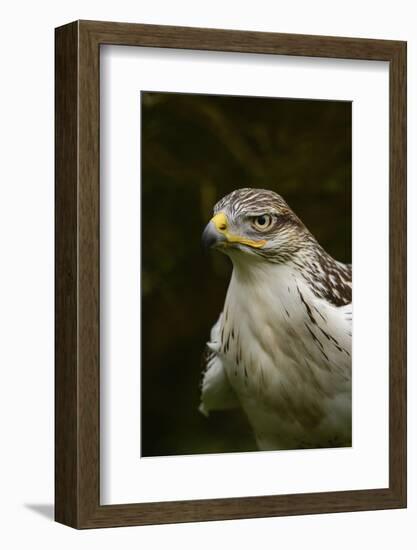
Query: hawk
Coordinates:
[281,348]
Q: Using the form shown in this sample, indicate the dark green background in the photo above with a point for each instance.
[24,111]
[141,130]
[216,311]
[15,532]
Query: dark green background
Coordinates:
[196,149]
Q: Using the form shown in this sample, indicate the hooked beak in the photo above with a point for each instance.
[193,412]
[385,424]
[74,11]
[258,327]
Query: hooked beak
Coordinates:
[217,233]
[211,236]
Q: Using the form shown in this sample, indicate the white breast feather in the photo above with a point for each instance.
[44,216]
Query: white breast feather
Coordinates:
[286,356]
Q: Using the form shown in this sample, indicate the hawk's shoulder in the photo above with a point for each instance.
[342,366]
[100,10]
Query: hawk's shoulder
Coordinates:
[216,391]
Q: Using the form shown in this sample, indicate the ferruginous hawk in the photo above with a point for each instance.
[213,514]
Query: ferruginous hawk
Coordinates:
[281,348]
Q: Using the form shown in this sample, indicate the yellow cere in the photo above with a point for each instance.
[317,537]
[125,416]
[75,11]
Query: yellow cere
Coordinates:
[221,223]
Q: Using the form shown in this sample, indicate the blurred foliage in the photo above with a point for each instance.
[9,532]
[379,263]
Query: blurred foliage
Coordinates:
[196,149]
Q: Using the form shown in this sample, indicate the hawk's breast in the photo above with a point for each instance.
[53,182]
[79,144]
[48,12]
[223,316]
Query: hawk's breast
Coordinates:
[287,356]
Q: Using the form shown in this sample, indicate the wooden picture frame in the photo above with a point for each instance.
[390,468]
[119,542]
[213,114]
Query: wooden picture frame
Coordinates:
[77,404]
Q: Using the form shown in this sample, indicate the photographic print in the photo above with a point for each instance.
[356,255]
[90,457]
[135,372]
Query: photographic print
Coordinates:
[246,274]
[203,274]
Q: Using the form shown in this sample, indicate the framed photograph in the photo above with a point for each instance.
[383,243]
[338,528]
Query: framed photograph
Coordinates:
[230,274]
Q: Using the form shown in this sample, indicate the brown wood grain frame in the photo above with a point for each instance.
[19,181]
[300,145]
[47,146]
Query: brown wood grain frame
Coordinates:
[77,370]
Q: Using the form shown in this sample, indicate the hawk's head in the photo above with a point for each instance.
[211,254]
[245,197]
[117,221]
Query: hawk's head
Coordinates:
[257,222]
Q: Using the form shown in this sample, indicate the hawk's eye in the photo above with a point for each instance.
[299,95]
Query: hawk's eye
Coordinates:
[262,222]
